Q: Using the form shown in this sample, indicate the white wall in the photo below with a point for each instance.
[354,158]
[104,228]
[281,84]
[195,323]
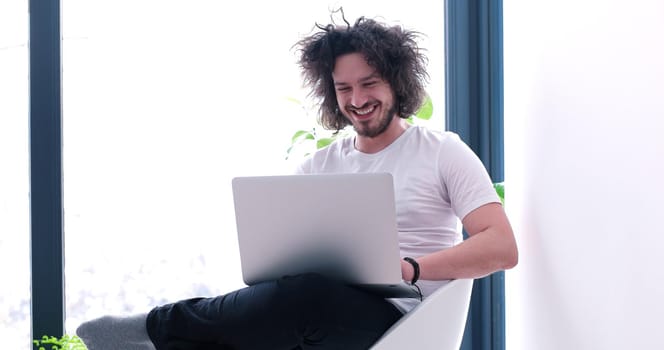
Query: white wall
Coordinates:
[584,113]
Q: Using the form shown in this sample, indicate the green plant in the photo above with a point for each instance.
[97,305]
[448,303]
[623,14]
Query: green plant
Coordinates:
[66,342]
[500,189]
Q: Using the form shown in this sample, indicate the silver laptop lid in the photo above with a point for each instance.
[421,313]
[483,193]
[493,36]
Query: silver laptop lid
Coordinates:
[340,225]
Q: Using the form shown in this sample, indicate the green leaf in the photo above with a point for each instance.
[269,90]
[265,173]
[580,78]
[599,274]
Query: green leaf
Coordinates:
[288,152]
[426,111]
[500,189]
[302,134]
[324,142]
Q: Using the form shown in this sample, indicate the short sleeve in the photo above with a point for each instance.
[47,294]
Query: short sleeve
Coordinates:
[466,180]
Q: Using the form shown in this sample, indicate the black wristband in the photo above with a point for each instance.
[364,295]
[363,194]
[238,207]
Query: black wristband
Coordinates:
[416,268]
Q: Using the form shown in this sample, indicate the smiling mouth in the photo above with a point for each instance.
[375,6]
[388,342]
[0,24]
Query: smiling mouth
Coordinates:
[362,112]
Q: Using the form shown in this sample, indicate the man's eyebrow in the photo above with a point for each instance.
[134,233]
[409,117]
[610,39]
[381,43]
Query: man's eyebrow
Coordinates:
[373,75]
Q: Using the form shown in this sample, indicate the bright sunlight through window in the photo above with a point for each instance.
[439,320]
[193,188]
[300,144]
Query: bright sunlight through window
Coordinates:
[164,102]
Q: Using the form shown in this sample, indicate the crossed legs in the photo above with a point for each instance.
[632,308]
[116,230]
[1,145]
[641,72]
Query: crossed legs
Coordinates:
[300,312]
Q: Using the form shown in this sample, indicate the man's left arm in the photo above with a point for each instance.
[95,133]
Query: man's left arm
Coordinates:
[490,247]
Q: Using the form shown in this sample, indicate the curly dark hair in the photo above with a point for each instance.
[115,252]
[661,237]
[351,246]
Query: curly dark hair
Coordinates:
[391,50]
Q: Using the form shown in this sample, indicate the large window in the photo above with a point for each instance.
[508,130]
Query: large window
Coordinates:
[163,103]
[14,176]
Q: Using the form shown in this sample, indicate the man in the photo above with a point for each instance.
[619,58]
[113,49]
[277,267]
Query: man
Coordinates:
[370,76]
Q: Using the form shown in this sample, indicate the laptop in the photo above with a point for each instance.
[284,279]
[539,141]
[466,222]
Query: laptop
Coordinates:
[342,226]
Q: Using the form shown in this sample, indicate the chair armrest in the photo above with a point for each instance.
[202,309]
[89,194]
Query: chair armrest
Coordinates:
[436,323]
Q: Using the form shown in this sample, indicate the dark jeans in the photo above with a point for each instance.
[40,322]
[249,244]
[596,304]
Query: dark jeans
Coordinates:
[301,312]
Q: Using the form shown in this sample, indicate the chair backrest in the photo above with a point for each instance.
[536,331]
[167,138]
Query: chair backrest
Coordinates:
[437,323]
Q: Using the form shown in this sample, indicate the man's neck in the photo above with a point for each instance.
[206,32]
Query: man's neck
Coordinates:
[376,144]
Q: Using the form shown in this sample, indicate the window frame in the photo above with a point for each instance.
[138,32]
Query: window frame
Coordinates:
[46,213]
[474,110]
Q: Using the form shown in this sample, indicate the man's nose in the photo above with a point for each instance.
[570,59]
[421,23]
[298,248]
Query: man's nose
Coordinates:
[359,98]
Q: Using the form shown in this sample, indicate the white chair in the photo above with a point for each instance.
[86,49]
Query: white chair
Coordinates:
[437,323]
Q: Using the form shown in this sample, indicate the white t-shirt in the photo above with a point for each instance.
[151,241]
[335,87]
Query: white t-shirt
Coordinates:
[437,181]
